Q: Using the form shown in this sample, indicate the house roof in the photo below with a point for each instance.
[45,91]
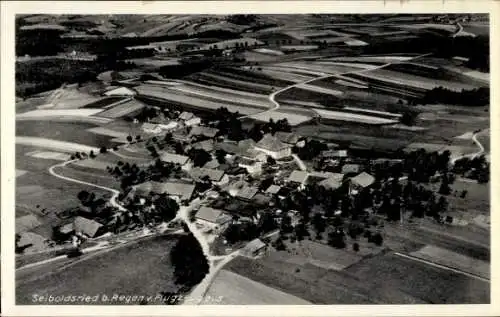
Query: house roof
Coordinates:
[186,115]
[212,215]
[86,226]
[173,158]
[271,143]
[334,153]
[287,137]
[298,176]
[261,199]
[200,172]
[31,239]
[227,146]
[150,126]
[254,245]
[246,144]
[67,228]
[364,179]
[351,168]
[185,191]
[247,192]
[207,145]
[212,164]
[26,223]
[205,131]
[332,182]
[273,189]
[252,154]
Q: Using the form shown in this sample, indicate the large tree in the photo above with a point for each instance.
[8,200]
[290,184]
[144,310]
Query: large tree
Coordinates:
[190,264]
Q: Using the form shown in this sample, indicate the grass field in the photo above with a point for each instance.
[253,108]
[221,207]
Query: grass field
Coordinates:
[90,175]
[230,288]
[63,131]
[141,268]
[432,285]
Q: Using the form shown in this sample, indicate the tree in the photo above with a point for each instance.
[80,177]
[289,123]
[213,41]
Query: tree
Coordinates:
[271,160]
[190,264]
[167,207]
[355,247]
[199,157]
[103,150]
[220,155]
[129,138]
[377,239]
[137,137]
[463,194]
[92,155]
[319,223]
[444,188]
[279,244]
[336,239]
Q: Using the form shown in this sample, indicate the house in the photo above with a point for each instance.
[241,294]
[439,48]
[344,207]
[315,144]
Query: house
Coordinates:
[247,193]
[207,145]
[261,199]
[234,187]
[351,168]
[204,131]
[273,147]
[211,218]
[246,144]
[168,126]
[361,181]
[218,177]
[31,242]
[173,158]
[298,177]
[181,135]
[121,91]
[88,227]
[253,154]
[181,191]
[273,189]
[254,248]
[287,137]
[151,128]
[189,118]
[332,183]
[253,167]
[213,164]
[26,223]
[334,154]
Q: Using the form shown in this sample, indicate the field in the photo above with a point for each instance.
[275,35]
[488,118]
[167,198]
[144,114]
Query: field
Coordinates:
[103,103]
[229,288]
[148,257]
[454,260]
[123,109]
[75,132]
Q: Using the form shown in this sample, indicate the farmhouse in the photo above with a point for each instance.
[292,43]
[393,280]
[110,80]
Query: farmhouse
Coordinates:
[333,182]
[360,182]
[253,167]
[181,191]
[351,168]
[189,119]
[218,177]
[32,242]
[121,91]
[287,137]
[212,218]
[168,126]
[207,145]
[173,158]
[273,147]
[88,227]
[204,131]
[151,128]
[247,193]
[273,189]
[298,177]
[254,248]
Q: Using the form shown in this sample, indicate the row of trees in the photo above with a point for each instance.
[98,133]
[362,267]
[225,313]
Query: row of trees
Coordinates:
[478,97]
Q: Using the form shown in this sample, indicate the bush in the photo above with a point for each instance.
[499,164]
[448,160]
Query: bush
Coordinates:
[355,247]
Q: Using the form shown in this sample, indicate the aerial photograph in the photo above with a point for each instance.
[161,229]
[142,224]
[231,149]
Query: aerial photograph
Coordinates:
[252,159]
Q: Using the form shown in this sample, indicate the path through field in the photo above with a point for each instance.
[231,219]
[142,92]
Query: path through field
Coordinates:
[475,154]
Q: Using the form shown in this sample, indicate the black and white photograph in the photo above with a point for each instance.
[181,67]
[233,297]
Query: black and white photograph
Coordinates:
[252,159]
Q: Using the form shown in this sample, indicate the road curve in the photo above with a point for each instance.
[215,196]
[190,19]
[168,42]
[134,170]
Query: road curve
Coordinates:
[272,96]
[471,155]
[113,199]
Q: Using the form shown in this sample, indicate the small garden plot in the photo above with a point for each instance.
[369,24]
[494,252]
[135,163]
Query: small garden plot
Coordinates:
[124,109]
[58,156]
[103,103]
[454,260]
